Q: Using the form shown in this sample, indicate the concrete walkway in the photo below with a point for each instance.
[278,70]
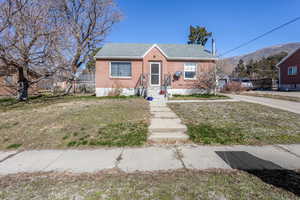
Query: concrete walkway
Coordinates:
[155,158]
[275,103]
[165,125]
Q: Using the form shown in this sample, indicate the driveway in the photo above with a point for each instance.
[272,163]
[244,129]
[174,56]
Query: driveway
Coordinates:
[275,103]
[287,94]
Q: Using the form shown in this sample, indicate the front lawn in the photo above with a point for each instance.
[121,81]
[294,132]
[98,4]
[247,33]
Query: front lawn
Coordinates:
[73,122]
[198,97]
[178,185]
[238,123]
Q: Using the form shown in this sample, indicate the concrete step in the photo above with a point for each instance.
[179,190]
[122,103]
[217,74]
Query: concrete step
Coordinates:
[165,115]
[167,130]
[168,137]
[159,109]
[170,123]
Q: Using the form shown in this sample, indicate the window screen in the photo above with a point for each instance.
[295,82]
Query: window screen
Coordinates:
[120,69]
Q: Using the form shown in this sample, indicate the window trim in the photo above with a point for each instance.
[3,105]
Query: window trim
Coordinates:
[291,67]
[120,77]
[185,78]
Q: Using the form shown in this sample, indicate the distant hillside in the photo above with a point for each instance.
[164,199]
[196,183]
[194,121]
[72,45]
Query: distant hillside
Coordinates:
[230,63]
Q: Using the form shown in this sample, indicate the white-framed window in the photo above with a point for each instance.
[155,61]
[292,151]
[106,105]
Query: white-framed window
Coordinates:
[120,69]
[190,71]
[293,70]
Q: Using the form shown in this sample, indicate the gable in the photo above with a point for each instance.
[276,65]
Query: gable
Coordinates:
[154,53]
[293,55]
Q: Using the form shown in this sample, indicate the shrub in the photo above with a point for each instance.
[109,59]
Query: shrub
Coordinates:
[116,90]
[234,87]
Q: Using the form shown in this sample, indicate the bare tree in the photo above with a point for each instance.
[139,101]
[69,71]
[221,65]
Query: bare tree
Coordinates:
[86,26]
[207,81]
[29,39]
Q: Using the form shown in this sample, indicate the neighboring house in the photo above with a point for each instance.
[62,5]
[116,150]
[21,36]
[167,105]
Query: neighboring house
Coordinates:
[8,82]
[130,67]
[289,71]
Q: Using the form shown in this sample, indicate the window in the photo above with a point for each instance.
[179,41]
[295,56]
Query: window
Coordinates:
[190,71]
[8,80]
[292,70]
[120,69]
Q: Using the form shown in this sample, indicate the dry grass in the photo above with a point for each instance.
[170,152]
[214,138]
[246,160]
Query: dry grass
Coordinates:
[238,123]
[74,122]
[178,185]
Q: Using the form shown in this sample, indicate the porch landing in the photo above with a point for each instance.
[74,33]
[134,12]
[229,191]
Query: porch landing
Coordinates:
[165,124]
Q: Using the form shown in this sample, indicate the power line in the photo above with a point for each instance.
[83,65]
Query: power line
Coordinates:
[262,35]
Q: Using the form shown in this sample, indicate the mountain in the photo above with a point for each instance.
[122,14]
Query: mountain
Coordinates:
[230,63]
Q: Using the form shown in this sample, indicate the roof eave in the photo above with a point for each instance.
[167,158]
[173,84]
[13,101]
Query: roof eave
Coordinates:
[287,57]
[117,57]
[191,58]
[168,58]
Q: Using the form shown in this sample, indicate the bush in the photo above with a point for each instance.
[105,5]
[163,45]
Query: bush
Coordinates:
[234,87]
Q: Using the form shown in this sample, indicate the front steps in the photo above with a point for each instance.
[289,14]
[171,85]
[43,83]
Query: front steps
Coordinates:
[165,124]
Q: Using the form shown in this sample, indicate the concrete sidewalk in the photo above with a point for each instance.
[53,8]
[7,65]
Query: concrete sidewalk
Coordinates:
[153,158]
[275,103]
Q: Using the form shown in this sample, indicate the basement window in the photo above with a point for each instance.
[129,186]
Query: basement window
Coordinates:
[293,70]
[120,69]
[190,71]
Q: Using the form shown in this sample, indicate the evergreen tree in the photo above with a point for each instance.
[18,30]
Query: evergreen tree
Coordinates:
[240,70]
[199,35]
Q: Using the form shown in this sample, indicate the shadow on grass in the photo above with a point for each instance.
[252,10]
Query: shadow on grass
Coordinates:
[11,103]
[267,171]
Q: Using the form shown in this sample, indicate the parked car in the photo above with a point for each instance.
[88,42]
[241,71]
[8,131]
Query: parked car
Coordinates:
[245,82]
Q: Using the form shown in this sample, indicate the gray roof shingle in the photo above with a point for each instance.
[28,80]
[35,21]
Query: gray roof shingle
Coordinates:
[171,51]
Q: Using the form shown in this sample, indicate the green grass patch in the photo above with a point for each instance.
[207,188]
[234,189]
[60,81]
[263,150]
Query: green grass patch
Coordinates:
[118,134]
[198,96]
[13,146]
[208,134]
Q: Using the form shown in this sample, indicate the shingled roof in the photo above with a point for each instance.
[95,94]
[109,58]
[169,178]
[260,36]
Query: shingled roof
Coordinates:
[138,51]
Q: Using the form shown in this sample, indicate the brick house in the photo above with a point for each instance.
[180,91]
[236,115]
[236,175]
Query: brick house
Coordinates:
[289,71]
[130,67]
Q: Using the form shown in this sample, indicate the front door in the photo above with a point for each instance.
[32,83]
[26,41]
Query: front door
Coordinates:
[155,74]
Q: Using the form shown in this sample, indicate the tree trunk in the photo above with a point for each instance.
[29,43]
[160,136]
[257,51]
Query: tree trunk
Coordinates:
[71,81]
[23,85]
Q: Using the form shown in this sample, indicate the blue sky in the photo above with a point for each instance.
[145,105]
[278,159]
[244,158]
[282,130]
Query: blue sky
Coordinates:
[231,21]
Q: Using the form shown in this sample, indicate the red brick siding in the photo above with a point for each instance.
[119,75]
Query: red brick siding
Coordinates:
[293,60]
[103,79]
